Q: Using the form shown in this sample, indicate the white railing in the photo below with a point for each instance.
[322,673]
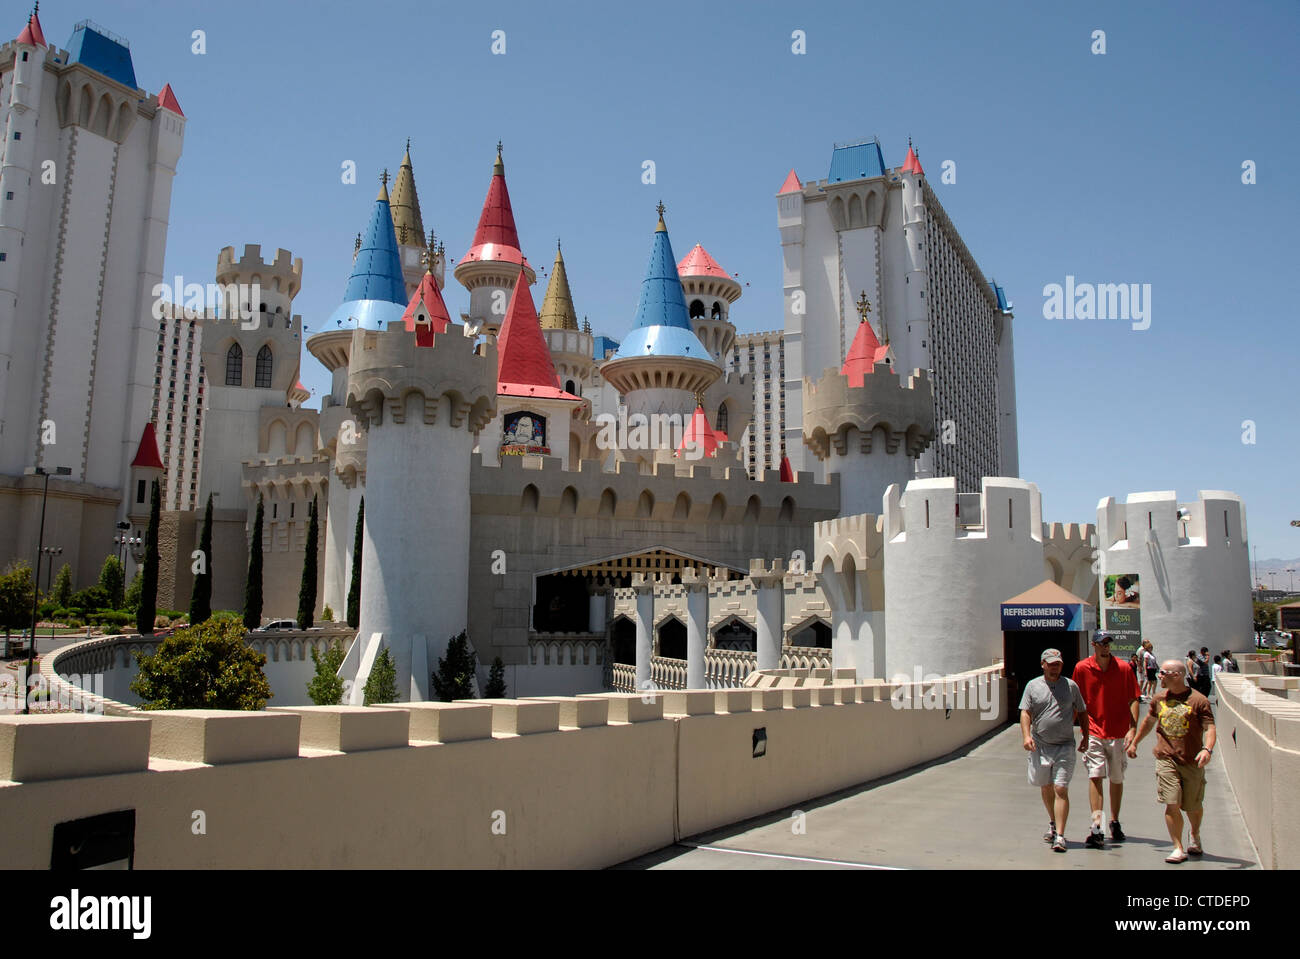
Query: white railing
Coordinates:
[623,677]
[668,673]
[727,668]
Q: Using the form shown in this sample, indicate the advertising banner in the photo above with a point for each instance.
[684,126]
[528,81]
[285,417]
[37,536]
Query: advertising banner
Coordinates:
[1121,603]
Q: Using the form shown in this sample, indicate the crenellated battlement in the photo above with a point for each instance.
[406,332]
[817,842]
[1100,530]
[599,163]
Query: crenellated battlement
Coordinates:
[386,368]
[903,409]
[932,507]
[683,492]
[860,537]
[251,266]
[1215,516]
[1069,536]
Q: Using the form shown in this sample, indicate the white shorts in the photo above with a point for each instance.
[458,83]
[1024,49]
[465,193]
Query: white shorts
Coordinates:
[1106,757]
[1052,764]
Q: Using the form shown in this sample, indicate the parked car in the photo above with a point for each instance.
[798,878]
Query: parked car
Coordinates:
[277,624]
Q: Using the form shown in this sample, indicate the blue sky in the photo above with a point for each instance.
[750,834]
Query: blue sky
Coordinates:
[1120,168]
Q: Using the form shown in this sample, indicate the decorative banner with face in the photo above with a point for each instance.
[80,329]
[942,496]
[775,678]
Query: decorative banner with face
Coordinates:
[523,432]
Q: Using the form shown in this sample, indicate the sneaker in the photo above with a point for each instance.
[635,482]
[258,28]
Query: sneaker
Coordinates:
[1050,835]
[1095,840]
[1058,844]
[1116,834]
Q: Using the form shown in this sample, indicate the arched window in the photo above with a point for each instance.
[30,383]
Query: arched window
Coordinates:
[697,308]
[722,418]
[717,310]
[234,366]
[262,378]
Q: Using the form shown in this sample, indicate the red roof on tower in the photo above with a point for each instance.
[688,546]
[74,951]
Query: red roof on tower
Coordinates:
[32,33]
[496,237]
[787,471]
[524,366]
[167,100]
[790,185]
[912,164]
[147,455]
[427,302]
[864,354]
[699,263]
[700,433]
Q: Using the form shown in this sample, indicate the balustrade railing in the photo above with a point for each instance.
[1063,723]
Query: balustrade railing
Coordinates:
[623,677]
[668,673]
[727,668]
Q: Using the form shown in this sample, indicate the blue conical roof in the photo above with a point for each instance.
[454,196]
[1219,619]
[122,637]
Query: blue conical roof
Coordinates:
[376,291]
[662,327]
[377,272]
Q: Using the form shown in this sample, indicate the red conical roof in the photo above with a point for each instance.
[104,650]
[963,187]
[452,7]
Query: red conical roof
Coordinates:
[912,164]
[699,263]
[787,471]
[167,100]
[864,354]
[524,366]
[32,33]
[699,432]
[790,185]
[496,237]
[426,302]
[147,455]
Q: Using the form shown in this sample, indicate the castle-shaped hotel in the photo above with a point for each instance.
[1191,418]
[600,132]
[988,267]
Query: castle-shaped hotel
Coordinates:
[588,506]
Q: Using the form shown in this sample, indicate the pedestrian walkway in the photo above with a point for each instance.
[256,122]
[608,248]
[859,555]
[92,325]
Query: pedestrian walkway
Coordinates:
[973,809]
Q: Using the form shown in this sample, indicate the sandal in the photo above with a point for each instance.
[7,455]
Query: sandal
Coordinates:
[1176,857]
[1194,847]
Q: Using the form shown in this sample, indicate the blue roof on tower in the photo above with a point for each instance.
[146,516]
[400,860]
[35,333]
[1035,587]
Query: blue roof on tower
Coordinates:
[103,52]
[662,326]
[1003,305]
[856,161]
[376,291]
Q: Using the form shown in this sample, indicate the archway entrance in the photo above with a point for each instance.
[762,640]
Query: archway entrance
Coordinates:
[737,635]
[672,639]
[623,637]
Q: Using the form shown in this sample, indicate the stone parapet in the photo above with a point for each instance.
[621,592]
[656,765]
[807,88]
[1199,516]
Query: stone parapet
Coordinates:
[904,411]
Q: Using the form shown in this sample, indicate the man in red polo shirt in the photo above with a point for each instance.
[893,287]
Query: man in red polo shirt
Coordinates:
[1110,690]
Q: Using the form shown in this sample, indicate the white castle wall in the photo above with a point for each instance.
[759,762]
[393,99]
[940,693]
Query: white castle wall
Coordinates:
[945,581]
[1194,572]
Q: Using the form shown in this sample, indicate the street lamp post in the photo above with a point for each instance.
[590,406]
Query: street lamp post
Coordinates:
[36,591]
[50,552]
[1291,580]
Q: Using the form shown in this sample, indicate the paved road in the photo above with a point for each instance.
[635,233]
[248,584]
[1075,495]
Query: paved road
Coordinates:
[973,809]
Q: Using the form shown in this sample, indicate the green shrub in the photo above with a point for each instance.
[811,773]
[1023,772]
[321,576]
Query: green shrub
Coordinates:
[326,688]
[208,666]
[90,598]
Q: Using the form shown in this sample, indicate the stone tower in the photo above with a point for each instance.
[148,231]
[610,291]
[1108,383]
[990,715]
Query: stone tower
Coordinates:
[866,425]
[421,407]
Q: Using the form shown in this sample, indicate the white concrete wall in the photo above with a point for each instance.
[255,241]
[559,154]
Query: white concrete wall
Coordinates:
[414,572]
[944,584]
[865,476]
[1194,576]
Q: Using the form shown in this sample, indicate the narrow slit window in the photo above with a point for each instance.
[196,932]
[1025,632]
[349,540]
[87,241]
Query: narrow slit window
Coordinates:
[927,514]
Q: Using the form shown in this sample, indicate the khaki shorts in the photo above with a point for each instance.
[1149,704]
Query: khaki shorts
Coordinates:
[1181,785]
[1106,757]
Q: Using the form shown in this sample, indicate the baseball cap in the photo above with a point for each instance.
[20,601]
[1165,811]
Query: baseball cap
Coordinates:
[1051,656]
[1101,636]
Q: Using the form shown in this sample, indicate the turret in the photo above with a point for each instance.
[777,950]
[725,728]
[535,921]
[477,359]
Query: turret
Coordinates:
[661,364]
[16,176]
[146,468]
[493,262]
[571,347]
[421,407]
[864,424]
[408,225]
[709,293]
[916,308]
[251,354]
[790,223]
[376,291]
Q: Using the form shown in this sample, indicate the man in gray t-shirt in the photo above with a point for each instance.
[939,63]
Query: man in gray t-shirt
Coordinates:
[1049,708]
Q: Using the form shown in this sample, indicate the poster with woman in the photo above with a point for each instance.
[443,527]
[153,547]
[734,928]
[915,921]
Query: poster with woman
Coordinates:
[1121,601]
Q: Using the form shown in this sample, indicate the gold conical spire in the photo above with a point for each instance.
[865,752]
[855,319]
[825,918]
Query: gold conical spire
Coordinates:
[662,227]
[499,168]
[383,187]
[557,309]
[406,204]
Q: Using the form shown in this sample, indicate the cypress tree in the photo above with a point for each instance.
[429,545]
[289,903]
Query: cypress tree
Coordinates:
[354,590]
[201,598]
[307,592]
[253,586]
[144,615]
